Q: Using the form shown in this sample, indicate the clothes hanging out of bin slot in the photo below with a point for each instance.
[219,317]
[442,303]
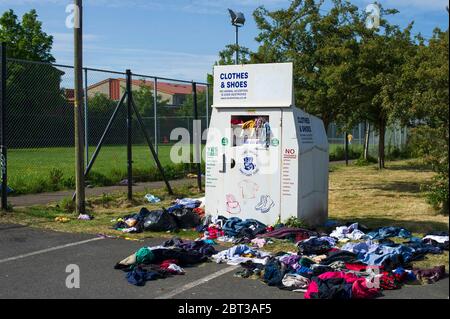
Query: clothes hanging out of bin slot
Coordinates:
[251,130]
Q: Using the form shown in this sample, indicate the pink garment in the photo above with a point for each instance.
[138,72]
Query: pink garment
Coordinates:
[359,285]
[259,242]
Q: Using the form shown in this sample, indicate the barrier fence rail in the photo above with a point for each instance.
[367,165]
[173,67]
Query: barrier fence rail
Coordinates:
[37,126]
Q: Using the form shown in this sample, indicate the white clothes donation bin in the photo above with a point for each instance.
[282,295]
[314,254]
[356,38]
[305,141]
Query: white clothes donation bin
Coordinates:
[265,158]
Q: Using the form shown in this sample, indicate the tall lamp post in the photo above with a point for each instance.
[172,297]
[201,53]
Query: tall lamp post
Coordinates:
[237,20]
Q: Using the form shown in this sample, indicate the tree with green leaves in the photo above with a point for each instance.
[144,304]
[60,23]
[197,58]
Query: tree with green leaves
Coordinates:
[382,54]
[323,48]
[25,39]
[32,90]
[421,96]
[143,98]
[227,55]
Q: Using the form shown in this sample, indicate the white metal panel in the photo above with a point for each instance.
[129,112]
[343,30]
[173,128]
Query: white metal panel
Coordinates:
[253,85]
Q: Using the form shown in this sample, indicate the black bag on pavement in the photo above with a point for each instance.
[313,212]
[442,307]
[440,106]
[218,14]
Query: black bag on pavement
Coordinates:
[186,218]
[159,220]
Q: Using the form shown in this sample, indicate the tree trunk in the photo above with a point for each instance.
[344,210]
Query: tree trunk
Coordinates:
[382,130]
[366,140]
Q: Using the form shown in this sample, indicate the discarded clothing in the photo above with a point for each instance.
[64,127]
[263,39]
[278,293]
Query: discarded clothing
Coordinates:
[323,239]
[156,220]
[391,231]
[213,232]
[295,234]
[144,255]
[185,217]
[314,246]
[351,232]
[361,248]
[258,242]
[295,281]
[440,241]
[85,217]
[339,285]
[388,257]
[274,272]
[340,255]
[171,266]
[189,245]
[188,202]
[140,274]
[240,254]
[431,275]
[152,198]
[236,227]
[291,261]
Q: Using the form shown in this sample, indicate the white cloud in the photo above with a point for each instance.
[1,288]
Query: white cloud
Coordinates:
[423,5]
[170,64]
[63,42]
[192,6]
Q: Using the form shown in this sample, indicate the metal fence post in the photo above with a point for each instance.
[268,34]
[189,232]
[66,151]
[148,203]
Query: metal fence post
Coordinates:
[129,137]
[197,138]
[207,105]
[346,147]
[86,122]
[3,146]
[155,106]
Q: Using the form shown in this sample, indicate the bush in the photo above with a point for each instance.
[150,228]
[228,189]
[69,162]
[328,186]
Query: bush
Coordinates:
[428,143]
[438,194]
[365,162]
[294,222]
[56,178]
[67,205]
[337,153]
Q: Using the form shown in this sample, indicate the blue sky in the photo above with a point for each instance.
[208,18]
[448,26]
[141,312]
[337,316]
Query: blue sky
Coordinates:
[178,38]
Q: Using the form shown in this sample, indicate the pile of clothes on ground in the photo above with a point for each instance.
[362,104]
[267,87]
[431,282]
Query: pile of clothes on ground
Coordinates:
[237,231]
[151,263]
[350,262]
[183,214]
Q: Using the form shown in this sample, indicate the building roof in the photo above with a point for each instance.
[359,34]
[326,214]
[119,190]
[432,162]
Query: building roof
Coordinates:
[165,87]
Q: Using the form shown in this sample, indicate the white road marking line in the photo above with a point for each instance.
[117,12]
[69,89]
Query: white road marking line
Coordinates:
[197,282]
[49,249]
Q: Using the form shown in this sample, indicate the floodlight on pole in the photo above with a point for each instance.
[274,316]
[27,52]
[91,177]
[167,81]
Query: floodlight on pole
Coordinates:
[237,20]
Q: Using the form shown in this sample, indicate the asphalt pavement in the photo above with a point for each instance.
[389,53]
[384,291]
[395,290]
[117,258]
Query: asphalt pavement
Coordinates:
[33,265]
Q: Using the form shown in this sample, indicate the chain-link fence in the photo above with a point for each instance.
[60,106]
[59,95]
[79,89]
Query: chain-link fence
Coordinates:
[395,141]
[40,126]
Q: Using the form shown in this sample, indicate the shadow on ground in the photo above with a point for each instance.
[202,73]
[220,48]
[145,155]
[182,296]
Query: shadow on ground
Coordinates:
[413,226]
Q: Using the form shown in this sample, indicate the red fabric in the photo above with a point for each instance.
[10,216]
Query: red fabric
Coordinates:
[199,211]
[355,267]
[166,263]
[348,276]
[388,282]
[361,291]
[361,267]
[215,232]
[359,285]
[312,289]
[301,236]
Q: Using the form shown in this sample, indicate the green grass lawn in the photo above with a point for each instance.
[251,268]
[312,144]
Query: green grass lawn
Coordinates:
[50,169]
[374,198]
